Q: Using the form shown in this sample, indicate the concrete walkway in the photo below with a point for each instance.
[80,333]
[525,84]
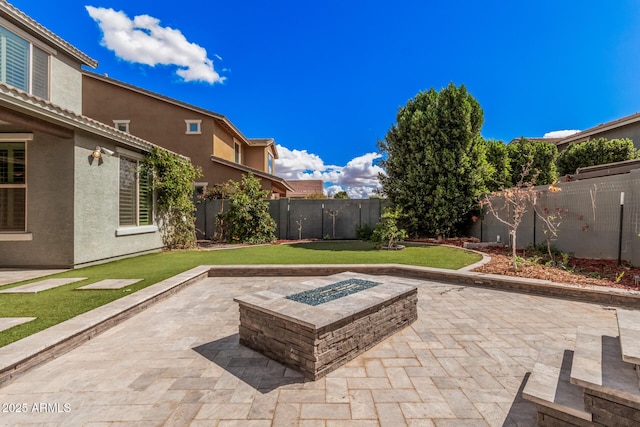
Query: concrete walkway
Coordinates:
[463,363]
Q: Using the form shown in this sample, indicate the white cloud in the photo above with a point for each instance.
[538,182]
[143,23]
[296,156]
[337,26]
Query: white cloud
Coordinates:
[143,40]
[560,133]
[359,178]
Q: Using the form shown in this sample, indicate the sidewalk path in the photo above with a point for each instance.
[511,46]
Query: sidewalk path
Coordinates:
[462,363]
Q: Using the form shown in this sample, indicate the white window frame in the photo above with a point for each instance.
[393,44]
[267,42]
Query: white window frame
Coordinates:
[270,163]
[117,123]
[193,122]
[128,230]
[32,43]
[18,236]
[237,152]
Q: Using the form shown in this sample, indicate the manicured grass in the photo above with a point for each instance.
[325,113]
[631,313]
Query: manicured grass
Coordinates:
[62,303]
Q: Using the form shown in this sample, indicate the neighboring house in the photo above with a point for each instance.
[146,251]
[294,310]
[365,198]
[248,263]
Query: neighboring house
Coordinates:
[303,189]
[626,127]
[209,139]
[70,193]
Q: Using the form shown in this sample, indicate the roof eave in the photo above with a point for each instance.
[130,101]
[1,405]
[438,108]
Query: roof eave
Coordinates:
[25,103]
[45,34]
[256,172]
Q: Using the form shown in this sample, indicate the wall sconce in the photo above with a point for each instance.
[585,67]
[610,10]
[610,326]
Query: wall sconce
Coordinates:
[97,154]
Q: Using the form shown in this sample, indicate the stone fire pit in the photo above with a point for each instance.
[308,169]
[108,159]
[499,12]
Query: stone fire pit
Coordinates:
[318,325]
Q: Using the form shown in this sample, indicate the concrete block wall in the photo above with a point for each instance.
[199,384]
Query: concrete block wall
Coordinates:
[590,226]
[314,215]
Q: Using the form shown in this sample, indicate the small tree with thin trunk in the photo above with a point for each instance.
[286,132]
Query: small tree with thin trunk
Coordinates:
[516,201]
[551,220]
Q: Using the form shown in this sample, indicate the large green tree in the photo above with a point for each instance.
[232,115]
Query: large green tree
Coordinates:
[595,152]
[434,160]
[499,174]
[537,156]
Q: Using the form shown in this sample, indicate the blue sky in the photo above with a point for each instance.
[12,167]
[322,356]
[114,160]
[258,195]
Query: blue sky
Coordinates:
[325,79]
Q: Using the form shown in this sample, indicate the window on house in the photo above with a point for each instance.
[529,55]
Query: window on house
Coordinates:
[23,65]
[237,153]
[270,163]
[193,126]
[13,187]
[136,195]
[122,125]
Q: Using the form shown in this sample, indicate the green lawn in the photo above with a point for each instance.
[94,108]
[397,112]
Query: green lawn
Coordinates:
[59,304]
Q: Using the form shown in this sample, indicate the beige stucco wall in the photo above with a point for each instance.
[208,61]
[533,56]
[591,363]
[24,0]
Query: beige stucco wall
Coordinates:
[255,157]
[224,145]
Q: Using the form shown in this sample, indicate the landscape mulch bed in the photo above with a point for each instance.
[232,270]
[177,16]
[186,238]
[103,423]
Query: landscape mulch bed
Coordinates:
[579,271]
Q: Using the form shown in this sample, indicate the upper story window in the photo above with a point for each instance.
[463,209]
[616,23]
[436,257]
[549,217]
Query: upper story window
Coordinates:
[193,126]
[23,65]
[270,163]
[237,152]
[122,125]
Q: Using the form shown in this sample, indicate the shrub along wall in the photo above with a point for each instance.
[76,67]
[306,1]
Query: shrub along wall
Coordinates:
[320,218]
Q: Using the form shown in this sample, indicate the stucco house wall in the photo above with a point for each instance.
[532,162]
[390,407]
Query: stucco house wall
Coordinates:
[96,213]
[49,207]
[161,120]
[67,90]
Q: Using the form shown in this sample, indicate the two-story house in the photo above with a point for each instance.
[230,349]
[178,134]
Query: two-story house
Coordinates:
[209,139]
[70,193]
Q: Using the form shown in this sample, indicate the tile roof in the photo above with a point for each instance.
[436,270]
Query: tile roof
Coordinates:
[23,20]
[21,101]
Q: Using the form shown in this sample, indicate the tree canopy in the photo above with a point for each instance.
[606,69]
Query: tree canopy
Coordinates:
[538,157]
[595,152]
[499,174]
[435,163]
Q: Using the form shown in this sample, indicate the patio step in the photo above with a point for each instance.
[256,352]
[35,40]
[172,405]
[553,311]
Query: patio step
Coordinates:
[629,327]
[610,384]
[559,402]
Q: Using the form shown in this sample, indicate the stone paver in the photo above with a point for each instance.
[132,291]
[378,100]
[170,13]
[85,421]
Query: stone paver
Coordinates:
[10,322]
[40,286]
[111,284]
[463,362]
[15,275]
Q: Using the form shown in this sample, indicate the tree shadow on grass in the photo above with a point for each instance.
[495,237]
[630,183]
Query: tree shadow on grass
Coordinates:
[254,369]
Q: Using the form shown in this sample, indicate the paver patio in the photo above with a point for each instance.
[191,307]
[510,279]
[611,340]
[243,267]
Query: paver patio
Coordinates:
[462,363]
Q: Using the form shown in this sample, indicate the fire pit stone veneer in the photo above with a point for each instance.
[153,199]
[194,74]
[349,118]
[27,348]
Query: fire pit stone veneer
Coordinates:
[318,325]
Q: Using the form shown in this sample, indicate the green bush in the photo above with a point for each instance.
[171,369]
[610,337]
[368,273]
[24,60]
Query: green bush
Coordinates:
[364,232]
[595,152]
[387,231]
[247,219]
[173,178]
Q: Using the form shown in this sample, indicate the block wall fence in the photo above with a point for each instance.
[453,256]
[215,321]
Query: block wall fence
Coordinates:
[320,218]
[592,215]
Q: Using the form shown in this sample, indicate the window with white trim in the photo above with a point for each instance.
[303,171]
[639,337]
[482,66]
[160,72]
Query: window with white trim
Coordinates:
[122,125]
[270,163]
[136,194]
[13,187]
[193,126]
[23,65]
[238,153]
